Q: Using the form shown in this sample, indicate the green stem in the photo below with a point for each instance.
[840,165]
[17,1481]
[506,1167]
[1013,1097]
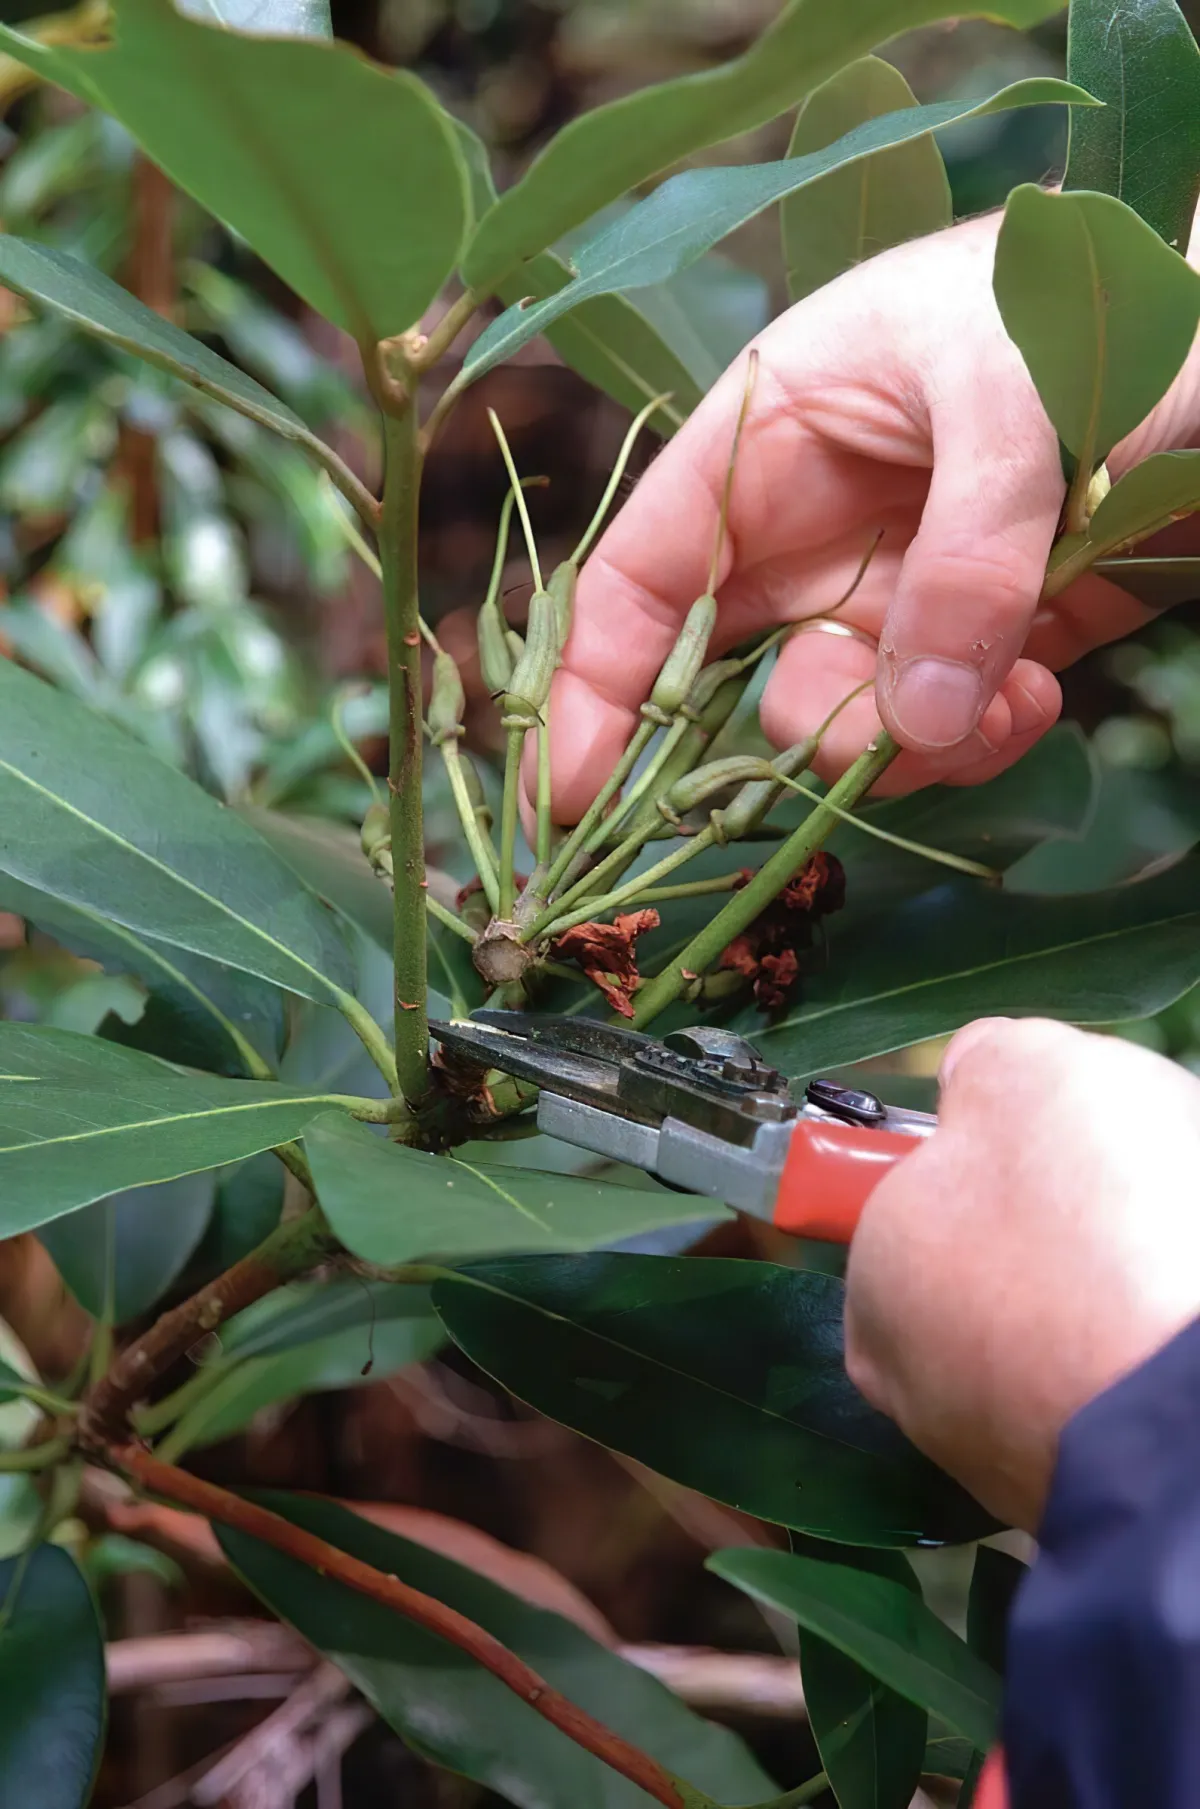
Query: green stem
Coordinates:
[591,817]
[804,1793]
[508,823]
[363,1024]
[150,1421]
[618,471]
[34,1457]
[958,862]
[401,603]
[768,882]
[450,920]
[478,841]
[42,1397]
[694,888]
[653,771]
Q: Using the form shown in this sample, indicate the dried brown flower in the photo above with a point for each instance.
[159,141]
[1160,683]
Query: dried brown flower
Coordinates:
[606,953]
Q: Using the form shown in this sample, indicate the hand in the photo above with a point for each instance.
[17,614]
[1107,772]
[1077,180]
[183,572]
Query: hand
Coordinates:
[891,399]
[1042,1243]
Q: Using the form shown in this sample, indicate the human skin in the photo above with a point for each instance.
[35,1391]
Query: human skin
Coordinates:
[1044,1242]
[891,399]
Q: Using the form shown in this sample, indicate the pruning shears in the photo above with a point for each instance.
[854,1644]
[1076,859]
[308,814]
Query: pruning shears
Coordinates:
[703,1112]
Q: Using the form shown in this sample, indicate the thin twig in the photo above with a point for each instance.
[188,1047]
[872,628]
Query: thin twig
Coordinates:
[436,1617]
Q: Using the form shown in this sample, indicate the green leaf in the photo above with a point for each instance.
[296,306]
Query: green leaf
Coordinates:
[610,342]
[205,1014]
[345,177]
[389,1204]
[967,951]
[1150,496]
[92,817]
[52,1690]
[367,1351]
[328,857]
[880,201]
[1139,57]
[459,1716]
[725,1376]
[690,213]
[91,301]
[871,1741]
[994,1582]
[306,1311]
[614,148]
[1102,312]
[81,1118]
[119,1255]
[882,1625]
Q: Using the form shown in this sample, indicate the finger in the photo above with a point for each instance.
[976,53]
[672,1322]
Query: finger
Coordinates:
[962,1042]
[1090,613]
[816,672]
[970,583]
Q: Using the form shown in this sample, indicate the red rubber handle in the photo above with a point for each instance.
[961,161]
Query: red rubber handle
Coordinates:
[830,1172]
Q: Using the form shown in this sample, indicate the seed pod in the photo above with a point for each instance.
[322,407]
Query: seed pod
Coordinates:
[529,686]
[447,699]
[515,643]
[682,665]
[563,580]
[705,781]
[495,655]
[376,836]
[746,811]
[708,682]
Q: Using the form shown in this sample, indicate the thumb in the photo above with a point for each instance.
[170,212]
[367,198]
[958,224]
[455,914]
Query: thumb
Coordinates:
[971,579]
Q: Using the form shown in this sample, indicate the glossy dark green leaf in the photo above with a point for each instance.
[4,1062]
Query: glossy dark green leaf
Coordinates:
[1103,312]
[390,1204]
[459,1716]
[52,1690]
[870,1740]
[96,305]
[345,177]
[691,212]
[880,201]
[81,1118]
[1150,496]
[966,951]
[207,1016]
[119,1255]
[92,817]
[725,1376]
[882,1625]
[994,1582]
[614,148]
[1139,57]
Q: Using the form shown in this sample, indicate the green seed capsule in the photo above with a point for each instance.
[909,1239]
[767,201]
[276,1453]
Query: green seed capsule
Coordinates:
[563,580]
[708,682]
[681,668]
[495,655]
[746,811]
[529,686]
[376,838]
[705,781]
[516,645]
[447,699]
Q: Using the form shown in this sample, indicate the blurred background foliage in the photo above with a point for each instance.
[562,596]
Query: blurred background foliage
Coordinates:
[188,573]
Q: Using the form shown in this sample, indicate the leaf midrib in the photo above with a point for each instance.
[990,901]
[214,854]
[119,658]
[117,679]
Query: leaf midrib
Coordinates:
[169,1118]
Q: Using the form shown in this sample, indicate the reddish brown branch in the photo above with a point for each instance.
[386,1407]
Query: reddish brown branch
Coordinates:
[247,1517]
[292,1250]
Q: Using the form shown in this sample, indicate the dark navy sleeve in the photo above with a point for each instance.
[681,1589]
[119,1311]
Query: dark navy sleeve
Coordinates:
[1103,1693]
